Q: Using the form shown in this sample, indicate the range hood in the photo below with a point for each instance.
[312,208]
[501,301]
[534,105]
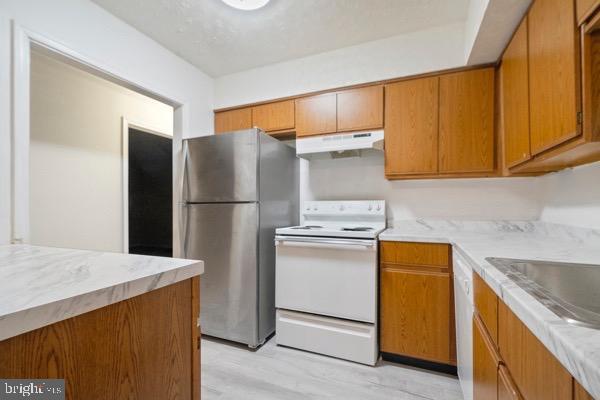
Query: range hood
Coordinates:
[351,144]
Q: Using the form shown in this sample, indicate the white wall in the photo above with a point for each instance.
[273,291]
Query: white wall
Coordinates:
[5,159]
[407,54]
[76,154]
[572,196]
[89,30]
[475,199]
[84,30]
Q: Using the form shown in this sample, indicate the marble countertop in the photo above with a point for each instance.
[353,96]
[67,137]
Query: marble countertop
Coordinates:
[43,285]
[576,347]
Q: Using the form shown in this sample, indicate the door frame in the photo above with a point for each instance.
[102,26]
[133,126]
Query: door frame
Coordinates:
[23,40]
[125,126]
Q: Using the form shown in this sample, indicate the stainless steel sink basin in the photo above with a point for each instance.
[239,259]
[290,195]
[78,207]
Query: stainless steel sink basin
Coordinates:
[572,291]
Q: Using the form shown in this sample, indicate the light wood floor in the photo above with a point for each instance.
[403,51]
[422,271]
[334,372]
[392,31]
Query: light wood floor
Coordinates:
[231,372]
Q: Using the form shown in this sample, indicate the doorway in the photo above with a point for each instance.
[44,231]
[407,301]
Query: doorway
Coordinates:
[149,193]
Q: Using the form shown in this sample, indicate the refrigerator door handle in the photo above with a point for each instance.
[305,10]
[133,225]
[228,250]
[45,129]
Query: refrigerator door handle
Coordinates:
[183,211]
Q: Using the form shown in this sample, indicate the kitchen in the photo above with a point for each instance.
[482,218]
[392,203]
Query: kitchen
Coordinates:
[407,206]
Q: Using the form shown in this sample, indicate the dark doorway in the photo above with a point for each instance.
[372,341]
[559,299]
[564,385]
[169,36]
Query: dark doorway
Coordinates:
[150,194]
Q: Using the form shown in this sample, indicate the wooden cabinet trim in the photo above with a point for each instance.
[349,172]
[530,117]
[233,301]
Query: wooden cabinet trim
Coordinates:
[415,267]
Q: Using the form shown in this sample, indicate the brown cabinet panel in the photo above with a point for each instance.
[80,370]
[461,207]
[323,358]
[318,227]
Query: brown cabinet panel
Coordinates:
[510,341]
[486,303]
[140,348]
[507,390]
[233,120]
[543,375]
[415,312]
[409,253]
[535,371]
[581,393]
[515,98]
[316,115]
[360,108]
[466,122]
[485,364]
[552,73]
[276,116]
[411,127]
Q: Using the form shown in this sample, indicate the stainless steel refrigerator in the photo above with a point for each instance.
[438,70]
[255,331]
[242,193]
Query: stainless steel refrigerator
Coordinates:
[237,188]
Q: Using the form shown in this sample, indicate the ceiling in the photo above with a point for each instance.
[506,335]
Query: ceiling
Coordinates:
[221,40]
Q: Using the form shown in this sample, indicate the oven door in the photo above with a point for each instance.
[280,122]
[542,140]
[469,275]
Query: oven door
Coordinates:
[327,276]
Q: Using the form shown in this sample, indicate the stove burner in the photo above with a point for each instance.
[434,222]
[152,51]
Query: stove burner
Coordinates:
[358,229]
[308,227]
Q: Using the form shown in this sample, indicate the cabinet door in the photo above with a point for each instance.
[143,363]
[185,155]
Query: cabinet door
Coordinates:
[543,375]
[233,120]
[486,304]
[507,390]
[359,109]
[276,116]
[515,99]
[411,127]
[552,73]
[415,314]
[485,364]
[316,115]
[467,121]
[581,393]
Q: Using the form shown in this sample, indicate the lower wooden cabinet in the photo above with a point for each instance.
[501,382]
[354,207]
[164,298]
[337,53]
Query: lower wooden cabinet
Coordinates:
[507,389]
[416,302]
[485,363]
[525,368]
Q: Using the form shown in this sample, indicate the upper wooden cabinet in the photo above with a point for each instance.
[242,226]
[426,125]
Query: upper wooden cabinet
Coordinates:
[411,127]
[277,116]
[416,307]
[316,115]
[553,87]
[466,125]
[233,120]
[515,98]
[359,109]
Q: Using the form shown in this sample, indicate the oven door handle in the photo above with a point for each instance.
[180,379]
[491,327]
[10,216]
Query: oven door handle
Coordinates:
[325,241]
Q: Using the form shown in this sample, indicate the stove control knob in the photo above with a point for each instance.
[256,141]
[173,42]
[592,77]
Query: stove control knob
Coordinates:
[307,208]
[314,208]
[341,207]
[370,207]
[378,207]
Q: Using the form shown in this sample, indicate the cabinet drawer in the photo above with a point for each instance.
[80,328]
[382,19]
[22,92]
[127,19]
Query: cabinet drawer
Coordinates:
[486,304]
[420,254]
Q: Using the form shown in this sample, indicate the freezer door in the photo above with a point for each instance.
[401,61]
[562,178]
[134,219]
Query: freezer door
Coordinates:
[225,237]
[221,168]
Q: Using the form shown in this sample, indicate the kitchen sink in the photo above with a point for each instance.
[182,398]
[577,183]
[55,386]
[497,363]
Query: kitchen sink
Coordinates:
[571,291]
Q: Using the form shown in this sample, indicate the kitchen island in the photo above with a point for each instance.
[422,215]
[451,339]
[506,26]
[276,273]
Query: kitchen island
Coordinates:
[112,325]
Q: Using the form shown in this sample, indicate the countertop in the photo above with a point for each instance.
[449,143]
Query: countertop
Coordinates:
[43,285]
[576,347]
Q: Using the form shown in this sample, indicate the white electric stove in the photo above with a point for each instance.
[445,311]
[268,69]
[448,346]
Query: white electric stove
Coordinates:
[326,280]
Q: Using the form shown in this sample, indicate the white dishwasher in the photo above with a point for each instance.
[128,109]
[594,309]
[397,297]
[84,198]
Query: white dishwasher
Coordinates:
[464,306]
